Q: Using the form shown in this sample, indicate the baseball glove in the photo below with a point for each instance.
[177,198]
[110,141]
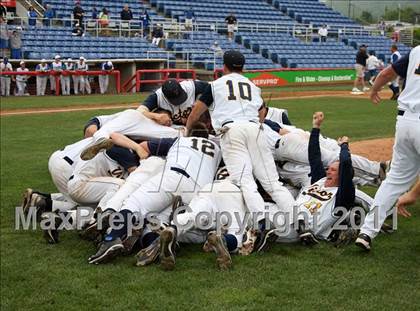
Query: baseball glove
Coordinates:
[346,237]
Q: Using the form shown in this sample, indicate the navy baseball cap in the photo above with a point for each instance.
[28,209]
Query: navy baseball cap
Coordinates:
[234,59]
[173,92]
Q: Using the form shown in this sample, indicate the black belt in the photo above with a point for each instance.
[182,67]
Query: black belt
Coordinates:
[401,112]
[68,160]
[181,171]
[227,122]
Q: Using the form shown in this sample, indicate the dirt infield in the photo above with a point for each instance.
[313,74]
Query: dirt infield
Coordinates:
[374,149]
[267,96]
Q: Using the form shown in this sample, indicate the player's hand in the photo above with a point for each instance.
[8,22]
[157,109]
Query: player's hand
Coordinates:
[403,201]
[342,140]
[284,132]
[317,119]
[374,97]
[163,119]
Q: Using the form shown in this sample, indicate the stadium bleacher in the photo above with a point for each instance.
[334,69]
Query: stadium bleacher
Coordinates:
[263,50]
[64,8]
[200,42]
[41,43]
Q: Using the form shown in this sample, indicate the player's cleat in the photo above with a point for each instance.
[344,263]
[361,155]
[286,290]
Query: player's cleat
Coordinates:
[130,241]
[176,203]
[51,232]
[96,227]
[356,91]
[387,228]
[167,248]
[249,244]
[148,255]
[91,151]
[218,244]
[265,240]
[26,202]
[107,251]
[364,242]
[365,89]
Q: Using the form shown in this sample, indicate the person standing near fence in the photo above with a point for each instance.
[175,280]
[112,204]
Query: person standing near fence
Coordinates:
[49,14]
[57,68]
[41,80]
[69,66]
[5,80]
[81,82]
[323,33]
[78,13]
[104,79]
[32,15]
[145,21]
[16,43]
[21,79]
[189,19]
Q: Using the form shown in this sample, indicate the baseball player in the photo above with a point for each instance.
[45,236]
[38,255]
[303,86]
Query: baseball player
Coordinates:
[405,166]
[107,67]
[176,97]
[5,80]
[191,163]
[234,103]
[81,83]
[68,66]
[395,84]
[41,80]
[56,68]
[21,79]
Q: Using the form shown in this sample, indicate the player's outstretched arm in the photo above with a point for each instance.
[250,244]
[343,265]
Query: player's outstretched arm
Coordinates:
[121,140]
[385,76]
[407,199]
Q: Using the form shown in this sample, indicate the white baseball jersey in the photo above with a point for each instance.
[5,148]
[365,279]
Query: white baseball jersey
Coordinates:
[372,63]
[73,151]
[235,98]
[100,166]
[275,114]
[197,156]
[69,66]
[57,66]
[42,68]
[22,78]
[106,118]
[81,67]
[409,98]
[6,67]
[183,110]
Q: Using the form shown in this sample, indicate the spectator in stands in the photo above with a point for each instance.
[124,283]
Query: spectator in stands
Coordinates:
[145,21]
[231,22]
[49,14]
[5,80]
[157,34]
[218,52]
[381,27]
[189,19]
[78,13]
[126,14]
[16,43]
[104,79]
[41,80]
[323,33]
[78,31]
[32,15]
[3,11]
[94,13]
[4,36]
[373,64]
[104,20]
[360,66]
[21,80]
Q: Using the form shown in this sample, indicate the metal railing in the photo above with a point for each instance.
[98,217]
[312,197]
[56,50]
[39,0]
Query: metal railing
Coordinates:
[186,57]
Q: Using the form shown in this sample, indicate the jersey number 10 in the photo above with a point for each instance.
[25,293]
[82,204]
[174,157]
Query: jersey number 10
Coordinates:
[244,90]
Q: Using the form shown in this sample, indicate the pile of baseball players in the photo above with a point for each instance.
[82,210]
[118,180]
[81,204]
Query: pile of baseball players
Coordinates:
[206,163]
[64,70]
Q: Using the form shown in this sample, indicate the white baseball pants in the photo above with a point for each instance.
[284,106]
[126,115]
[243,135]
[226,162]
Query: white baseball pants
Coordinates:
[5,85]
[405,169]
[65,84]
[247,154]
[146,170]
[21,86]
[103,83]
[41,85]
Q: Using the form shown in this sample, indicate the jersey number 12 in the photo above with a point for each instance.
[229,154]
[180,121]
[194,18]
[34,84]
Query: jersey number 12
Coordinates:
[244,90]
[206,146]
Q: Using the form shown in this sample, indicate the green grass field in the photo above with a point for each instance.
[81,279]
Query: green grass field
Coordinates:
[37,276]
